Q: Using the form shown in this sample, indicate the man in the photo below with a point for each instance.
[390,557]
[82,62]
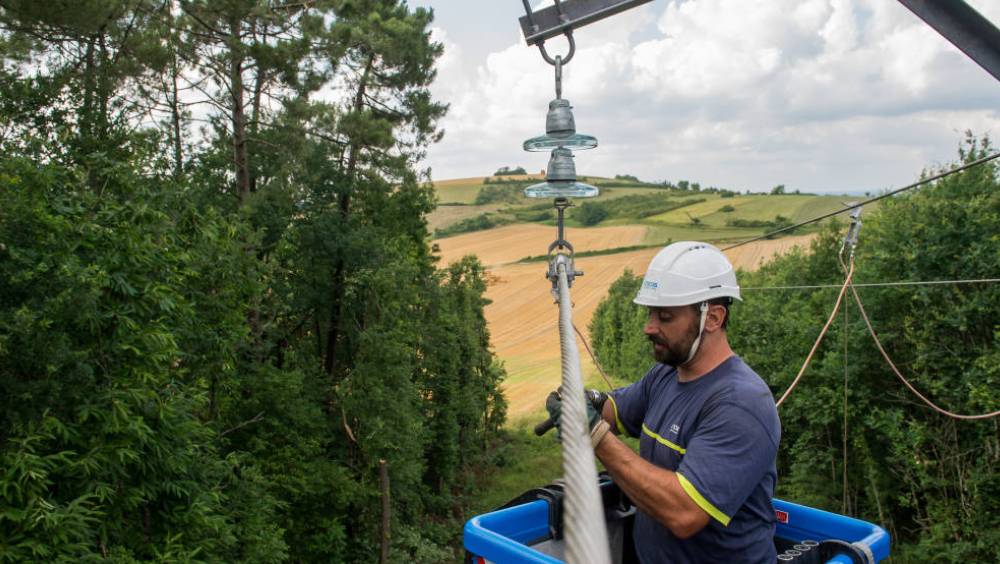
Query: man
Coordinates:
[707,425]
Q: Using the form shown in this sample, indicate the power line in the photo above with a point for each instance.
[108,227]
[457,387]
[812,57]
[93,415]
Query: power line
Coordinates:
[869,201]
[876,284]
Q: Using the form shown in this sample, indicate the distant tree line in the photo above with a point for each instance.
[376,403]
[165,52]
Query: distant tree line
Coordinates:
[854,439]
[636,206]
[220,315]
[509,171]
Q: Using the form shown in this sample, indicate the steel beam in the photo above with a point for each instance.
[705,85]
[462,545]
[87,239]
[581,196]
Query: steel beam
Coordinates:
[966,28]
[569,15]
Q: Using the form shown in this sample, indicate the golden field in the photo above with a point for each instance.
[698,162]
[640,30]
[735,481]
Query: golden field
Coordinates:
[522,316]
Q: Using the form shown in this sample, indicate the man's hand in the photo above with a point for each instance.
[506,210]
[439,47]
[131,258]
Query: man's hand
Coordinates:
[595,399]
[595,423]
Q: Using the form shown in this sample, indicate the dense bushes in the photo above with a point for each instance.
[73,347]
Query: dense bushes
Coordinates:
[207,345]
[591,213]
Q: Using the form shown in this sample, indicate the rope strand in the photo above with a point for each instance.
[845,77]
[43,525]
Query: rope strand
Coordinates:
[833,315]
[594,358]
[888,360]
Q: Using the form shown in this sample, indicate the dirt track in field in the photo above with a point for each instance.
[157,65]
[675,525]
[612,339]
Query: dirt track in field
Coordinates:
[523,318]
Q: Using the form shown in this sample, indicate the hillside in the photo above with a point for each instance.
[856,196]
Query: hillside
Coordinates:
[521,316]
[668,213]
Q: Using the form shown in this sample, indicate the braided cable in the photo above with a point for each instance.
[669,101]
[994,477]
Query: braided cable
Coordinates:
[583,512]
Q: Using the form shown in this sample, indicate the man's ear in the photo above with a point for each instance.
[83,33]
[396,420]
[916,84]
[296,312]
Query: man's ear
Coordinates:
[716,316]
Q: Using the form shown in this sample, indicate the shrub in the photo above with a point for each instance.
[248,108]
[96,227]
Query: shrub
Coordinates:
[503,193]
[479,223]
[591,213]
[507,171]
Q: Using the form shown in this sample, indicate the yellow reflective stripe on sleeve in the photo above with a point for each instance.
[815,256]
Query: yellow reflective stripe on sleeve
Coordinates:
[700,500]
[618,422]
[661,440]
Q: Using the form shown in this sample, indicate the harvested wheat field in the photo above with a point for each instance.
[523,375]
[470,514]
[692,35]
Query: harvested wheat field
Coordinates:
[512,243]
[523,318]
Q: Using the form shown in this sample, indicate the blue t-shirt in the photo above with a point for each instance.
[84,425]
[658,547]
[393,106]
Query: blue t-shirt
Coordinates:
[720,434]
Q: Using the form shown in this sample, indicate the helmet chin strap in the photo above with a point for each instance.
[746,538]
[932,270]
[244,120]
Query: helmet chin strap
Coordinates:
[701,329]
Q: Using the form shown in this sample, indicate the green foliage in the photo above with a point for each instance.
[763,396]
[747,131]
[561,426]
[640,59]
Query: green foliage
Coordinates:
[591,213]
[208,345]
[621,348]
[778,222]
[535,215]
[508,171]
[478,223]
[631,207]
[727,209]
[628,177]
[108,348]
[778,190]
[503,193]
[931,480]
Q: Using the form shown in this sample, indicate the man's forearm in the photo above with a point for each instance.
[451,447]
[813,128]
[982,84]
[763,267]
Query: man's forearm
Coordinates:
[654,490]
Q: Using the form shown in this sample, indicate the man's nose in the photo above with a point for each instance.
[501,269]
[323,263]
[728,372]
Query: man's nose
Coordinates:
[652,326]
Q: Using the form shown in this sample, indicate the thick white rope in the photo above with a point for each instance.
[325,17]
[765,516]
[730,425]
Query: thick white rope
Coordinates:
[584,527]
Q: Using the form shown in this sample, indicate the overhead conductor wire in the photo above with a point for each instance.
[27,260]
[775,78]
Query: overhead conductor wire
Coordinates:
[849,269]
[917,184]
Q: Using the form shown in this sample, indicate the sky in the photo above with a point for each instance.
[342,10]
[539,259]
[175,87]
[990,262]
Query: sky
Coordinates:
[841,96]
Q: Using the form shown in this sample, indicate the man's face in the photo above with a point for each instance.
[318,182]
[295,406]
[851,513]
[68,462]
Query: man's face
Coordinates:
[672,330]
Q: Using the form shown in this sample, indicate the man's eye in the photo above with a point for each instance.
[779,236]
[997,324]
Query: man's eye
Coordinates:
[665,317]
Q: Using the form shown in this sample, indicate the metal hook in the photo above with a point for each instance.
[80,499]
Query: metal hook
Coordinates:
[572,50]
[559,64]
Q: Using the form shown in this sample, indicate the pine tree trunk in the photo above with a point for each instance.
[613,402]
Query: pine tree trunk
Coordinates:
[383,478]
[255,111]
[336,309]
[175,114]
[238,117]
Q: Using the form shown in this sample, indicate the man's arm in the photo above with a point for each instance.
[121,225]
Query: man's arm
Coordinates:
[656,491]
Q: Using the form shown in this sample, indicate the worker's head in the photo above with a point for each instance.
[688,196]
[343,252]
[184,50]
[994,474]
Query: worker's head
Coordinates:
[688,288]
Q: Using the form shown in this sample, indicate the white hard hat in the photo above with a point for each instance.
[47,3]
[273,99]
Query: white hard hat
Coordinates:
[687,273]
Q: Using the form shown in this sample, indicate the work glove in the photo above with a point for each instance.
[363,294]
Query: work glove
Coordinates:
[594,403]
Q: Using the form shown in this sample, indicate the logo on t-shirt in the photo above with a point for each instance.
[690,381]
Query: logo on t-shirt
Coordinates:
[674,429]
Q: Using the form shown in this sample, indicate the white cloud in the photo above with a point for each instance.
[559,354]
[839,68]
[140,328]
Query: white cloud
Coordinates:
[814,94]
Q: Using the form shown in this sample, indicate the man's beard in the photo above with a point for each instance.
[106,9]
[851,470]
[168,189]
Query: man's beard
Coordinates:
[677,353]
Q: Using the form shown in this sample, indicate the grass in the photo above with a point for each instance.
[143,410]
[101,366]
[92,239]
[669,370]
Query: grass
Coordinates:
[528,461]
[448,214]
[659,234]
[458,191]
[751,207]
[525,462]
